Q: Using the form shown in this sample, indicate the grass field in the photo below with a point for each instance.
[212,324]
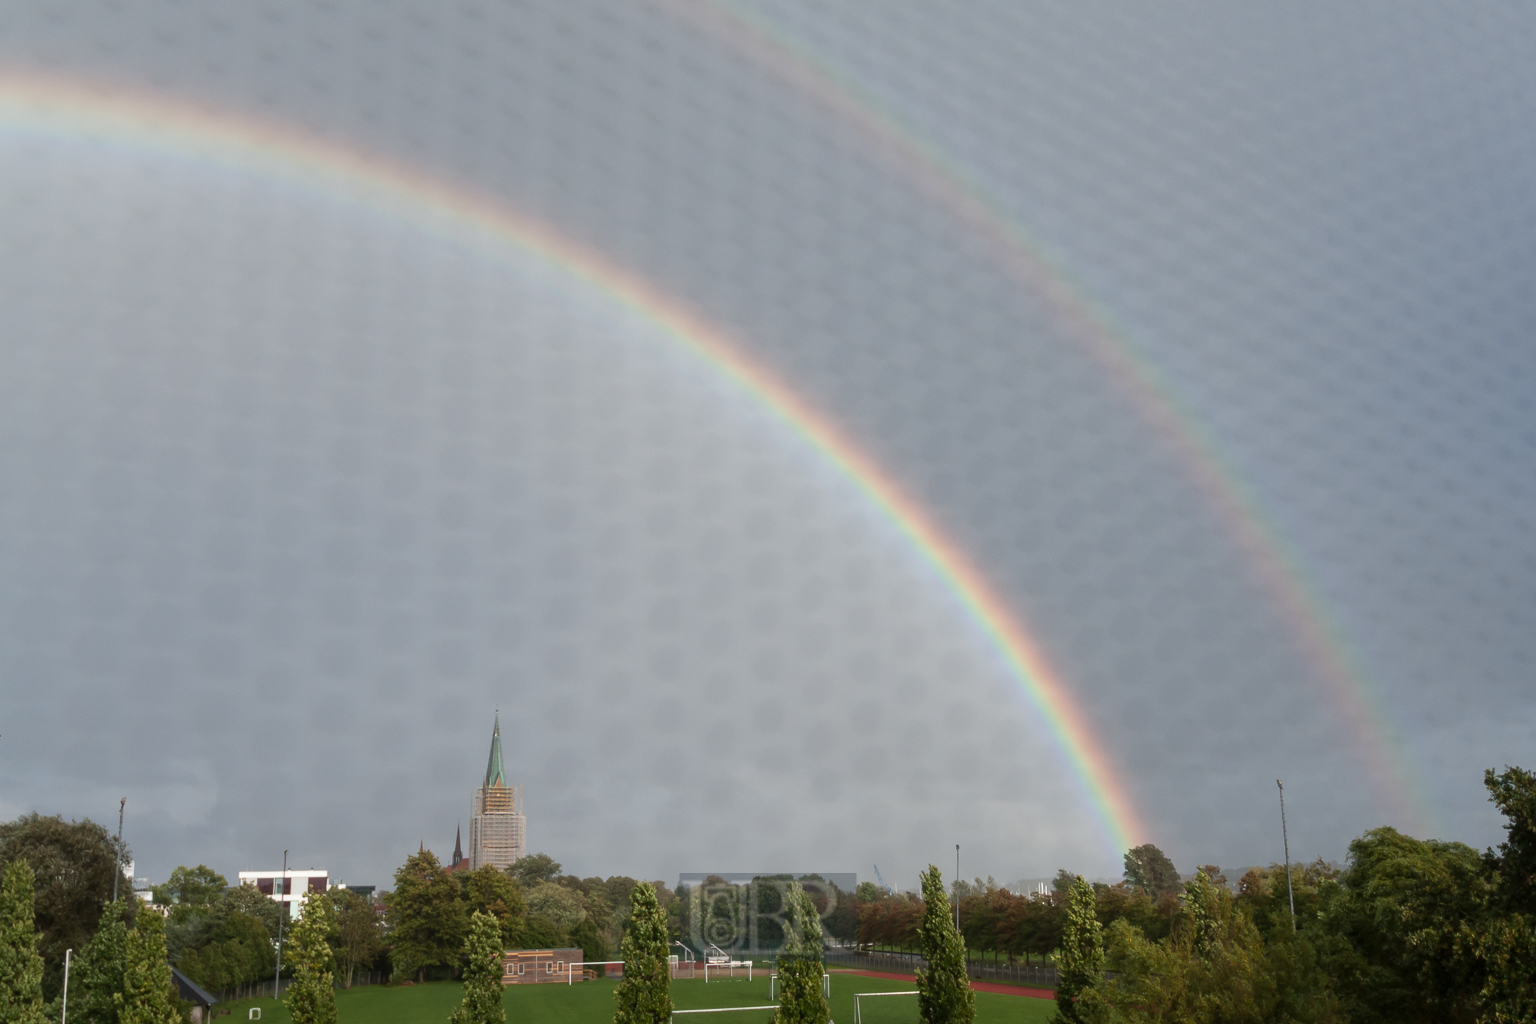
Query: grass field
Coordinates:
[592,1003]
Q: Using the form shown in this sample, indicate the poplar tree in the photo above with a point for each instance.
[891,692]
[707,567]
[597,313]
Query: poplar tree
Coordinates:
[311,998]
[21,968]
[1080,964]
[482,973]
[147,996]
[944,993]
[800,963]
[644,994]
[98,970]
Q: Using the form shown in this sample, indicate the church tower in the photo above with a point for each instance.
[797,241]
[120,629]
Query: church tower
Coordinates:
[497,829]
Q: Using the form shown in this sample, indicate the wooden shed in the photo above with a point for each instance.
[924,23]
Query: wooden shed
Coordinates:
[538,966]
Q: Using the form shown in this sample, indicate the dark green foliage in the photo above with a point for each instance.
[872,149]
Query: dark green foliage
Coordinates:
[191,887]
[1149,870]
[246,899]
[494,892]
[644,994]
[74,863]
[538,933]
[147,996]
[800,961]
[533,869]
[1507,950]
[1214,968]
[96,974]
[1507,947]
[593,948]
[1396,928]
[21,968]
[1514,865]
[311,999]
[482,973]
[944,993]
[1080,963]
[429,918]
[1265,894]
[238,951]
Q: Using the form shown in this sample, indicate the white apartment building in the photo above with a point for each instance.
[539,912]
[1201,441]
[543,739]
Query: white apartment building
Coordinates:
[288,887]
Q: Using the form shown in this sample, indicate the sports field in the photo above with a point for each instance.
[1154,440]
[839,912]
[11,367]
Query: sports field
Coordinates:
[591,1002]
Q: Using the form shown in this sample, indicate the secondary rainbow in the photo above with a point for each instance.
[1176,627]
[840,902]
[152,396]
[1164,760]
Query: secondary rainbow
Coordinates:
[1275,566]
[49,107]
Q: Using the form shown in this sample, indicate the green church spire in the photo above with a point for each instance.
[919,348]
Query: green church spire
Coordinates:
[495,771]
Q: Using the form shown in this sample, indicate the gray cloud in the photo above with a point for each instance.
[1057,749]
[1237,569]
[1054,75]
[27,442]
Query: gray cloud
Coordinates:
[297,495]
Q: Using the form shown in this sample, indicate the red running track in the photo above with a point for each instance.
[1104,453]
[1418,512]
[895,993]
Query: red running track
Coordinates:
[978,986]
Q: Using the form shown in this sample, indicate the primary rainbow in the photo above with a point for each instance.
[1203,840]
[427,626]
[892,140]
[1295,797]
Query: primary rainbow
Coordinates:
[34,105]
[1277,569]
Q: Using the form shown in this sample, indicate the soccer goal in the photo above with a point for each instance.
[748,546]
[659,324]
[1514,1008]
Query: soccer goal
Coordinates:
[773,985]
[723,1009]
[857,1013]
[571,967]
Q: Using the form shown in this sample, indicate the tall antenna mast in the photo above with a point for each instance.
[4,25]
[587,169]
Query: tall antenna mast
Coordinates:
[1287,842]
[117,861]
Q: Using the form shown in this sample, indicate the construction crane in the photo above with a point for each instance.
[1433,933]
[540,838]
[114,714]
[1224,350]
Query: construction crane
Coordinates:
[885,888]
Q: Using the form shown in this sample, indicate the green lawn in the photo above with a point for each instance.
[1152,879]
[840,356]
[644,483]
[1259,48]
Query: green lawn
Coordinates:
[591,1002]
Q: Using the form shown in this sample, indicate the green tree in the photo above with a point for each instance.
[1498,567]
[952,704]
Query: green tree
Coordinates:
[311,998]
[1147,868]
[97,973]
[246,899]
[1397,928]
[428,915]
[494,892]
[536,932]
[944,993]
[556,903]
[1080,962]
[482,973]
[359,935]
[1507,947]
[529,871]
[147,996]
[74,863]
[800,961]
[1514,865]
[191,887]
[238,952]
[21,968]
[643,995]
[1215,968]
[593,948]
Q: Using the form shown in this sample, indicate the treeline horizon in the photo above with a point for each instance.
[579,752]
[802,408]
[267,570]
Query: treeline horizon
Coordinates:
[1406,930]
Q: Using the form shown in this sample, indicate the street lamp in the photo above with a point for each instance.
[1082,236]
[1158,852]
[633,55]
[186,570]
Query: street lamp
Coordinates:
[1286,840]
[117,861]
[282,909]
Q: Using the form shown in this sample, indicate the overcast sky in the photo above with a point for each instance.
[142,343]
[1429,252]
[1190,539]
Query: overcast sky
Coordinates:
[296,495]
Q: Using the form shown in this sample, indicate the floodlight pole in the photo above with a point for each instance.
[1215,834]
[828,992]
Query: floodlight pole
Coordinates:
[1284,839]
[64,1010]
[957,888]
[282,912]
[117,860]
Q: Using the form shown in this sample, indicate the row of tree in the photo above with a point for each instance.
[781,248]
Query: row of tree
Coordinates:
[431,911]
[1410,931]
